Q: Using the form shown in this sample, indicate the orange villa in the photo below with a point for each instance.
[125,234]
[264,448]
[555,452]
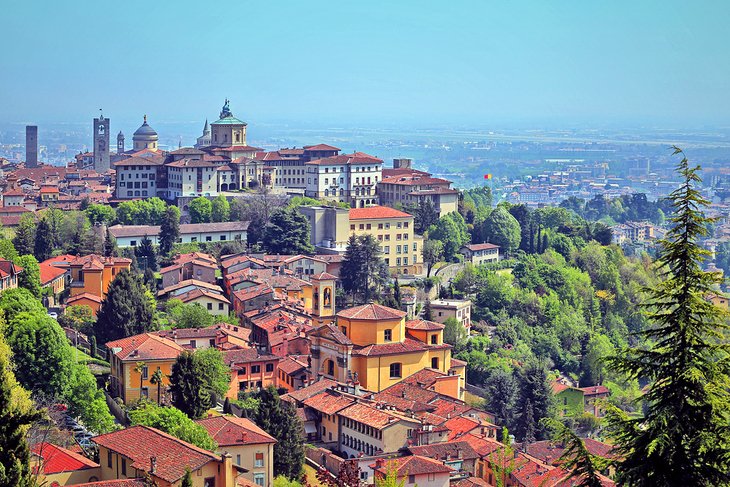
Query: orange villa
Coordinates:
[90,278]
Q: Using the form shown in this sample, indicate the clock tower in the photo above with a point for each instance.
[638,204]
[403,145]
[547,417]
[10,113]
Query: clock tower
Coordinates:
[101,144]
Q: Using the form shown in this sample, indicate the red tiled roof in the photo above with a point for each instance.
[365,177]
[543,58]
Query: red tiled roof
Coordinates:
[595,390]
[328,402]
[50,272]
[190,282]
[49,189]
[145,346]
[78,297]
[458,426]
[55,459]
[113,483]
[371,311]
[289,365]
[443,451]
[354,158]
[481,246]
[321,147]
[369,415]
[471,482]
[312,389]
[233,431]
[424,325]
[198,293]
[481,445]
[379,212]
[142,443]
[406,346]
[247,355]
[413,465]
[323,276]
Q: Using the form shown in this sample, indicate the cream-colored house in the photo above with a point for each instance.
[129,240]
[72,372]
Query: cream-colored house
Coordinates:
[442,309]
[249,446]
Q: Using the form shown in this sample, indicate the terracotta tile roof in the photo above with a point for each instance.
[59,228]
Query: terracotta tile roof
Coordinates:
[483,446]
[415,180]
[331,332]
[446,451]
[328,402]
[113,483]
[559,387]
[481,246]
[140,161]
[447,408]
[79,297]
[551,451]
[424,325]
[315,388]
[195,256]
[189,162]
[233,431]
[413,465]
[190,282]
[247,355]
[376,212]
[200,293]
[459,426]
[253,292]
[50,272]
[141,443]
[323,276]
[321,147]
[289,365]
[595,390]
[371,311]
[471,482]
[354,158]
[406,346]
[93,261]
[145,346]
[49,189]
[370,415]
[55,459]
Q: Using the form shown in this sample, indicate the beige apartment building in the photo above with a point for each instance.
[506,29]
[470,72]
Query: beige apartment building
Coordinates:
[442,309]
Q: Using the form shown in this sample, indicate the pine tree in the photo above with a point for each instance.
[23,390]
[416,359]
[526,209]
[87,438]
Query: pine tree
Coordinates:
[287,233]
[535,392]
[126,309]
[396,293]
[427,314]
[169,230]
[187,386]
[150,280]
[281,421]
[582,465]
[684,436]
[24,240]
[363,269]
[502,396]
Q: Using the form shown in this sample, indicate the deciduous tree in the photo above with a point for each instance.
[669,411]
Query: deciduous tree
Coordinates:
[287,233]
[200,210]
[221,209]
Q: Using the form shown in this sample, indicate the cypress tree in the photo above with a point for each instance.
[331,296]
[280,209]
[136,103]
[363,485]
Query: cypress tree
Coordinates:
[536,398]
[110,244]
[684,436]
[169,229]
[43,247]
[126,309]
[187,386]
[281,421]
[146,255]
[396,293]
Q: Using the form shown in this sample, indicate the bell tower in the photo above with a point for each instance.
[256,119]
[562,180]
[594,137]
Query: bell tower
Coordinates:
[323,297]
[120,142]
[101,143]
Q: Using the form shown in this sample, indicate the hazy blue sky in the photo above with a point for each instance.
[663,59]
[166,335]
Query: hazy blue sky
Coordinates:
[450,61]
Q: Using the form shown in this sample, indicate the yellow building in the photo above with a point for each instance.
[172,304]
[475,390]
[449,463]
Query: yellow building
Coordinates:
[249,446]
[393,229]
[91,276]
[133,362]
[373,344]
[139,451]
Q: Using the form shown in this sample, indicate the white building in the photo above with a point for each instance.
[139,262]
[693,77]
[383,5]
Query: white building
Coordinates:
[132,235]
[350,178]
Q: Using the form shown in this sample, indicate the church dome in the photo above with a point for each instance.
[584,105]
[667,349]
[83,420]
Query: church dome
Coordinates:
[145,131]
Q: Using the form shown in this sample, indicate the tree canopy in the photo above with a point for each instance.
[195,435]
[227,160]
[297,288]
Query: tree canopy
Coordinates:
[287,233]
[126,309]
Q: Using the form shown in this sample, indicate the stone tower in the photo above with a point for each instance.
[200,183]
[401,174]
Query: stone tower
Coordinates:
[101,144]
[120,142]
[31,146]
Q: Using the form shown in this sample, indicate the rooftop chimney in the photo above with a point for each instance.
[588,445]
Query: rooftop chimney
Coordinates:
[153,464]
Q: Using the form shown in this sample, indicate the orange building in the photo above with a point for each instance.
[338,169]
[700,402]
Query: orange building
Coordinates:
[250,370]
[135,359]
[91,276]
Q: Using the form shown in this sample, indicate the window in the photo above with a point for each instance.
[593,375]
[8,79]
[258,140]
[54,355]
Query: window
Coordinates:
[259,479]
[344,330]
[431,477]
[395,370]
[210,482]
[269,367]
[238,459]
[242,371]
[133,243]
[124,466]
[259,461]
[411,479]
[208,238]
[145,372]
[255,369]
[434,339]
[193,344]
[388,335]
[109,458]
[352,228]
[435,362]
[209,306]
